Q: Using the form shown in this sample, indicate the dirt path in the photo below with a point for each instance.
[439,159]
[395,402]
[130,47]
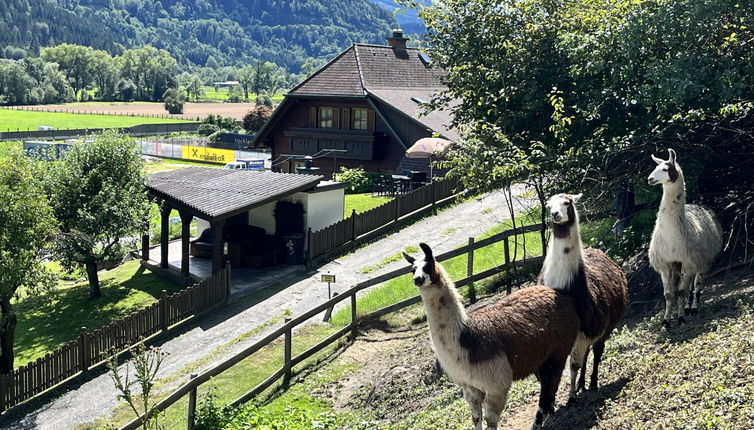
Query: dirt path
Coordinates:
[212,336]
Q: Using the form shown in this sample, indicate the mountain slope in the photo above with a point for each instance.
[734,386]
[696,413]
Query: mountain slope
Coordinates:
[407,18]
[230,31]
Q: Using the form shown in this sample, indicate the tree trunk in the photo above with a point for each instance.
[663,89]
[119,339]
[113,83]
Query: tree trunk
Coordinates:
[7,332]
[91,274]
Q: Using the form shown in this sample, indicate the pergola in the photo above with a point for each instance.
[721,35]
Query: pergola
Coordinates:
[214,195]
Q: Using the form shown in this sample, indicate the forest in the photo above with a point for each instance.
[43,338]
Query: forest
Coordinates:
[196,32]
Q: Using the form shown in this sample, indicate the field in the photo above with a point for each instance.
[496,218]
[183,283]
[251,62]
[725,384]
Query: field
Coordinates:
[362,203]
[221,95]
[12,120]
[191,111]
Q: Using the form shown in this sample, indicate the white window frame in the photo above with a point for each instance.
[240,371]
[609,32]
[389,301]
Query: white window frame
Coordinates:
[360,123]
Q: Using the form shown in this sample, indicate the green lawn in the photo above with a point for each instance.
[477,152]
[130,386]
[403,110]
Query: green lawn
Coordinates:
[47,322]
[362,203]
[12,120]
[221,95]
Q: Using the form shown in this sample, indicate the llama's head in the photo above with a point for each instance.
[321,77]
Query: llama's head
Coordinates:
[562,208]
[666,171]
[423,268]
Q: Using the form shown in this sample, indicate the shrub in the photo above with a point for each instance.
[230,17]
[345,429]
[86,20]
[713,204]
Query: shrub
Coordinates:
[255,118]
[174,100]
[213,123]
[264,100]
[235,94]
[207,129]
[358,180]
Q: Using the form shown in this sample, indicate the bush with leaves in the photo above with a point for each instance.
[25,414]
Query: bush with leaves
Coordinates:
[264,100]
[174,100]
[359,181]
[256,118]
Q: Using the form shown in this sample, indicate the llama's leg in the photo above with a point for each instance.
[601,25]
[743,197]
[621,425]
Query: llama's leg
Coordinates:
[668,287]
[474,398]
[577,361]
[697,293]
[494,403]
[682,294]
[549,378]
[597,351]
[582,375]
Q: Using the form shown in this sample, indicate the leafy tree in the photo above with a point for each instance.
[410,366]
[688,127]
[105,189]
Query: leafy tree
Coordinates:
[174,101]
[246,78]
[98,197]
[26,224]
[195,87]
[255,118]
[76,61]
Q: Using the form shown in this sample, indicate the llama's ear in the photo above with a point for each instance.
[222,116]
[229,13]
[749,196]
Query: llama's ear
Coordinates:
[427,251]
[577,197]
[657,160]
[408,258]
[672,155]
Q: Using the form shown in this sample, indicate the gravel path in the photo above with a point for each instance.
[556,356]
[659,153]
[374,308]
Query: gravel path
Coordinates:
[95,399]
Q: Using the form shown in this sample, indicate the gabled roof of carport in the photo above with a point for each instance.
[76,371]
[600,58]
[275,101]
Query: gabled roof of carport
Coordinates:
[216,194]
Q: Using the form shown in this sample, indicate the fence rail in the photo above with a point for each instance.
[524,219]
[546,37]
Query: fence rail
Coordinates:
[93,348]
[136,131]
[286,330]
[330,239]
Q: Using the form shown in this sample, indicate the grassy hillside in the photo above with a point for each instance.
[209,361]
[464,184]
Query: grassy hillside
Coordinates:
[700,375]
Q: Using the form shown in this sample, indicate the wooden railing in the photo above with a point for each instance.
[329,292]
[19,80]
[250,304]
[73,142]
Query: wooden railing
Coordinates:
[92,348]
[329,240]
[286,330]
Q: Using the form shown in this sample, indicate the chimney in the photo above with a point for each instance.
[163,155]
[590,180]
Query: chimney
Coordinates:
[397,41]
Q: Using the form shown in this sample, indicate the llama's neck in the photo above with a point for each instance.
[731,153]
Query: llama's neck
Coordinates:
[446,315]
[673,199]
[564,256]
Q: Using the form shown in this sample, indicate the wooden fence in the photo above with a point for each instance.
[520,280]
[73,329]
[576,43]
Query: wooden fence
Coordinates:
[286,330]
[135,131]
[325,242]
[92,348]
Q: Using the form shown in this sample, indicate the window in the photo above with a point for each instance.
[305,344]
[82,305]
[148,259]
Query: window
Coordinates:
[325,117]
[359,119]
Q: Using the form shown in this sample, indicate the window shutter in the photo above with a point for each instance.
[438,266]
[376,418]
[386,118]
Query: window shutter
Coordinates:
[313,117]
[336,118]
[370,120]
[346,119]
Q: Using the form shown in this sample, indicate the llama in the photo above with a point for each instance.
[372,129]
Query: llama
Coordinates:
[484,351]
[597,285]
[685,241]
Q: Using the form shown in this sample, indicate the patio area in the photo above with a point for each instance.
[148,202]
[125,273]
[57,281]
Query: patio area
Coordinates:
[242,280]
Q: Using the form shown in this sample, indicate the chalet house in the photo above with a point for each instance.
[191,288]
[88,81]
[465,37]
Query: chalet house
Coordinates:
[363,108]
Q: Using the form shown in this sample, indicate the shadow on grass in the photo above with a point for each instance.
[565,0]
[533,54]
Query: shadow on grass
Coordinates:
[583,414]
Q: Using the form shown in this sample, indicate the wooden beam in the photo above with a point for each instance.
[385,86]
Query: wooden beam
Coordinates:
[185,236]
[165,210]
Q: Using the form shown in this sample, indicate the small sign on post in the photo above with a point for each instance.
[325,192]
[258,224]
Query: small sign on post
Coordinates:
[326,277]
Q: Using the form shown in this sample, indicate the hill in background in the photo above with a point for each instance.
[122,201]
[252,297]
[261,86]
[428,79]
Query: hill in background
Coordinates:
[198,32]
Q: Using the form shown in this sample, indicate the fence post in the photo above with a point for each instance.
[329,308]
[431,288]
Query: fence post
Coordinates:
[353,317]
[227,281]
[309,249]
[164,311]
[353,225]
[191,405]
[3,390]
[470,262]
[507,261]
[287,352]
[397,206]
[84,350]
[434,195]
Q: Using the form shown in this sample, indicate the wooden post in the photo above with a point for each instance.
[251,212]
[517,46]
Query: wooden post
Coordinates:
[227,282]
[191,405]
[218,246]
[353,317]
[397,206]
[353,225]
[3,390]
[506,250]
[84,350]
[185,236]
[433,184]
[164,234]
[288,350]
[470,262]
[309,248]
[145,246]
[164,311]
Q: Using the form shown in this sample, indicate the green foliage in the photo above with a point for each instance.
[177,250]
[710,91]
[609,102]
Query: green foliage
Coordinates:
[255,118]
[26,224]
[359,181]
[292,417]
[221,123]
[98,198]
[174,101]
[264,100]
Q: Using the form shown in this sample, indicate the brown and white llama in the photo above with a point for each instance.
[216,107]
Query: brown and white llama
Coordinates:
[685,241]
[528,332]
[597,285]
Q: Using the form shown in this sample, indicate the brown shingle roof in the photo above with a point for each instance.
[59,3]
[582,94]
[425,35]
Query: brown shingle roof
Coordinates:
[218,193]
[338,77]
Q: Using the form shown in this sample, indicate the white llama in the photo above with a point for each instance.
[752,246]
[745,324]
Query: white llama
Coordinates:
[529,331]
[597,285]
[685,241]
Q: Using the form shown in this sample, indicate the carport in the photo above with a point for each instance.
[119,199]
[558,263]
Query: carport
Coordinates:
[214,195]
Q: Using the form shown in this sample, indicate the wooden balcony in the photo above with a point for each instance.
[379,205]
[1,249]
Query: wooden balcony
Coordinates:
[358,144]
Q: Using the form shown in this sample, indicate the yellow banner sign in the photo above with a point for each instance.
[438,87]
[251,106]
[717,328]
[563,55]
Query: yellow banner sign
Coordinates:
[210,155]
